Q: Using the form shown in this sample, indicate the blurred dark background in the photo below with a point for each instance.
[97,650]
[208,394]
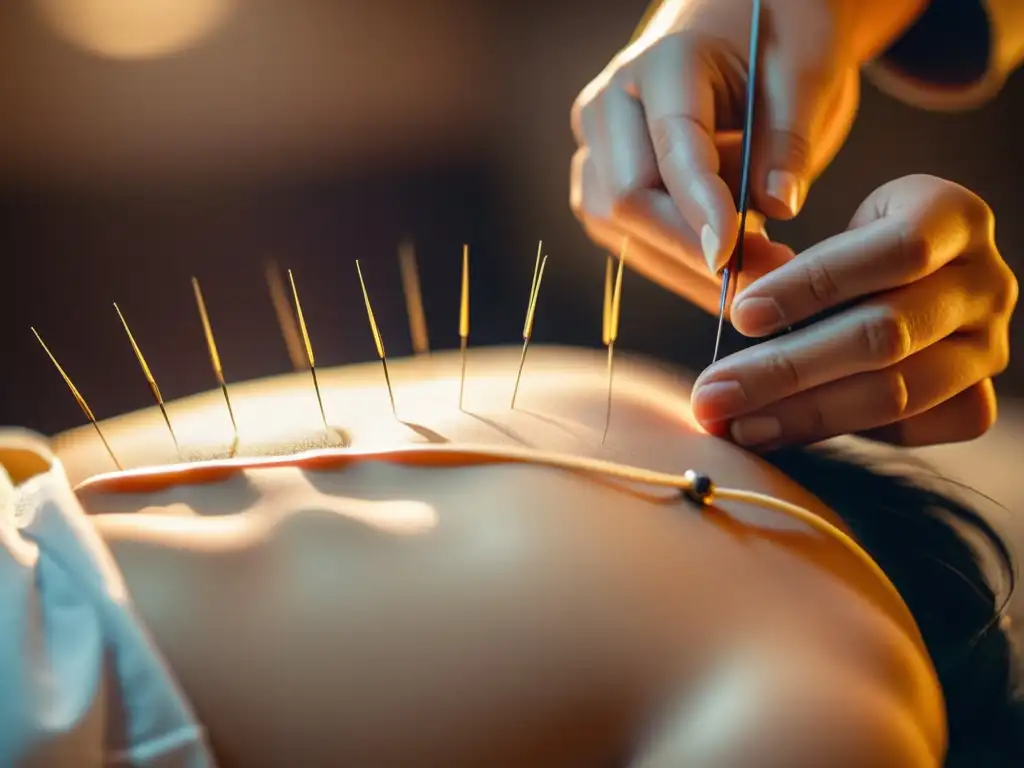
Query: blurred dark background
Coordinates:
[144,142]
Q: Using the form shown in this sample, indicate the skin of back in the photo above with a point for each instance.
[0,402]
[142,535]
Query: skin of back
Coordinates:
[508,615]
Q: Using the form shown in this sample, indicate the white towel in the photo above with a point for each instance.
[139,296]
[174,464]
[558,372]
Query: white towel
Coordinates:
[81,684]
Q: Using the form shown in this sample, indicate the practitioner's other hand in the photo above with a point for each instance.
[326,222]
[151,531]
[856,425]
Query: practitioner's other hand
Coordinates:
[657,129]
[917,304]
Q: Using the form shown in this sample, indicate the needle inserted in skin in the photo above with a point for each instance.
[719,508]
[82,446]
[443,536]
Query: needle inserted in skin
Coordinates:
[736,262]
[531,309]
[377,339]
[149,378]
[413,299]
[613,308]
[78,398]
[285,316]
[309,348]
[211,345]
[464,320]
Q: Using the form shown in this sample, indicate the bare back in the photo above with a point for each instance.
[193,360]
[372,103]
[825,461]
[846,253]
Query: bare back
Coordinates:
[395,614]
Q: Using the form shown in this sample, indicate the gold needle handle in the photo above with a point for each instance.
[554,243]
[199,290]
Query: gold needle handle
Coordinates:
[211,345]
[149,379]
[413,299]
[285,317]
[606,314]
[309,349]
[532,309]
[302,322]
[369,313]
[533,289]
[79,399]
[139,356]
[464,303]
[616,303]
[377,339]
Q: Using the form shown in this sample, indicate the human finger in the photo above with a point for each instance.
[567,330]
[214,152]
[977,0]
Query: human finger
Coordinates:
[654,216]
[885,254]
[806,108]
[910,388]
[675,83]
[614,129]
[965,416]
[867,337]
[591,204]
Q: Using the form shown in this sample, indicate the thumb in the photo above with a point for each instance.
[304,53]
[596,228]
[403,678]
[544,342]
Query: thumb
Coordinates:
[785,134]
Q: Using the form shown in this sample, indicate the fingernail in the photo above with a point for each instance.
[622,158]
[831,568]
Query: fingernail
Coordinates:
[757,315]
[710,243]
[784,187]
[755,224]
[755,430]
[720,399]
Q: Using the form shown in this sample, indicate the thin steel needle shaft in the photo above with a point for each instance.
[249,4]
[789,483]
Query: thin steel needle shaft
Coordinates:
[149,378]
[78,398]
[377,339]
[736,262]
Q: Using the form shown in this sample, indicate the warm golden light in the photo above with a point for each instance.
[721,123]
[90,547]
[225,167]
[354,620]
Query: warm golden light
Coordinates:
[134,29]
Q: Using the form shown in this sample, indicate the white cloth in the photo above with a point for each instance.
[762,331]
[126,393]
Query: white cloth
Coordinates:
[81,684]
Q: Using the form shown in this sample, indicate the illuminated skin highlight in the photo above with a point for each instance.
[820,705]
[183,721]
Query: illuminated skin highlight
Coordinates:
[546,616]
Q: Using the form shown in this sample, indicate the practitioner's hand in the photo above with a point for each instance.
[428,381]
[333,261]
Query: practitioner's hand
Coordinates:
[918,305]
[658,149]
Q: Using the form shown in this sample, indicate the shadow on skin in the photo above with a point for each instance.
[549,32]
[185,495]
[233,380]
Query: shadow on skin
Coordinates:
[426,433]
[565,426]
[227,496]
[507,431]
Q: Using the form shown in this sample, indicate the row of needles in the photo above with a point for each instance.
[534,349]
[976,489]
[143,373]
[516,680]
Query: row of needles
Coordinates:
[295,331]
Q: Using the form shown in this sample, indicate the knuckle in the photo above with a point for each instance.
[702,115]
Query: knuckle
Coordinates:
[816,422]
[913,250]
[779,368]
[891,396]
[586,109]
[1007,292]
[999,353]
[977,212]
[670,134]
[625,201]
[662,136]
[980,410]
[576,186]
[576,204]
[885,337]
[585,113]
[820,284]
[576,119]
